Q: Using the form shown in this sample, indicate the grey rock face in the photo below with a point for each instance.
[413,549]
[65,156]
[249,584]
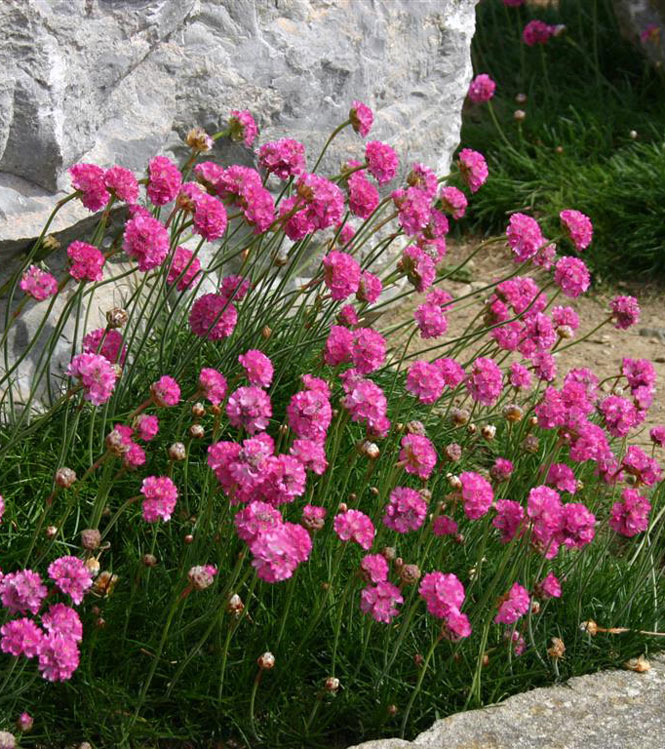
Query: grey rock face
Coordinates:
[637,17]
[606,710]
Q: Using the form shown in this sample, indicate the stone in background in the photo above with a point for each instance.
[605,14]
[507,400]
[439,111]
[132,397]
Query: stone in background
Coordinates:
[643,21]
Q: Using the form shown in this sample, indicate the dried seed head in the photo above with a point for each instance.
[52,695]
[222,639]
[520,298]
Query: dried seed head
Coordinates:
[331,684]
[531,443]
[7,740]
[100,623]
[51,244]
[197,431]
[556,649]
[92,565]
[409,574]
[90,539]
[453,452]
[389,553]
[460,416]
[374,490]
[188,539]
[641,665]
[368,449]
[533,421]
[454,482]
[198,410]
[235,606]
[104,583]
[565,332]
[488,432]
[65,477]
[51,532]
[415,427]
[149,560]
[472,429]
[513,413]
[343,507]
[115,443]
[215,410]
[201,577]
[486,659]
[177,451]
[425,493]
[590,627]
[198,140]
[116,317]
[266,332]
[266,661]
[535,607]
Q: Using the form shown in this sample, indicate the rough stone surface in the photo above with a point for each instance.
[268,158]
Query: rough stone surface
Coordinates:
[606,710]
[638,17]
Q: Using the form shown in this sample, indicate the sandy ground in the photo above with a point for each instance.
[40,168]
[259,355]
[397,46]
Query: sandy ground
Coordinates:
[603,351]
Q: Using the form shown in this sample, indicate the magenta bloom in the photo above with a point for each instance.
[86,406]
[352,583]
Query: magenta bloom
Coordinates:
[405,511]
[95,374]
[255,519]
[502,469]
[209,217]
[146,240]
[630,516]
[363,195]
[366,402]
[414,208]
[444,525]
[86,261]
[249,407]
[58,657]
[309,414]
[361,117]
[572,276]
[417,455]
[234,288]
[425,381]
[147,427]
[579,228]
[484,382]
[381,601]
[509,519]
[122,183]
[279,550]
[72,577]
[537,32]
[212,385]
[453,201]
[21,637]
[579,525]
[213,317]
[338,346]
[88,179]
[482,88]
[562,478]
[369,288]
[108,343]
[374,568]
[311,454]
[625,312]
[165,392]
[657,435]
[161,496]
[38,283]
[258,368]
[473,168]
[243,127]
[354,525]
[431,321]
[368,351]
[184,268]
[341,274]
[382,161]
[284,158]
[514,606]
[524,236]
[639,464]
[520,377]
[549,587]
[164,180]
[418,266]
[22,592]
[444,596]
[477,494]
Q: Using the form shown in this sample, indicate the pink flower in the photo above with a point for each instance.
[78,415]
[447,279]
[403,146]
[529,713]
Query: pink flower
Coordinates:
[443,593]
[473,168]
[545,510]
[414,209]
[562,478]
[213,317]
[72,577]
[657,435]
[313,517]
[363,195]
[418,266]
[282,479]
[147,427]
[284,158]
[549,587]
[374,568]
[537,32]
[88,179]
[255,519]
[520,377]
[452,372]
[425,381]
[243,127]
[234,288]
[322,204]
[366,402]
[509,519]
[21,637]
[212,385]
[338,346]
[95,374]
[341,274]
[161,496]
[477,494]
[361,117]
[513,3]
[209,217]
[368,351]
[146,240]
[572,276]
[620,415]
[484,382]
[108,343]
[453,201]
[444,525]
[249,407]
[382,161]
[184,268]
[165,392]
[369,288]
[524,236]
[354,525]
[424,179]
[625,312]
[579,228]
[164,180]
[309,414]
[86,261]
[639,464]
[501,470]
[381,601]
[122,183]
[134,457]
[346,234]
[430,320]
[578,525]
[58,657]
[22,592]
[279,550]
[630,516]
[565,316]
[38,284]
[650,33]
[514,606]
[258,368]
[405,511]
[311,454]
[417,455]
[482,88]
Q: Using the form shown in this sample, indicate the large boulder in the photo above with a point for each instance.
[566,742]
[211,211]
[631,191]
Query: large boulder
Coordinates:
[643,21]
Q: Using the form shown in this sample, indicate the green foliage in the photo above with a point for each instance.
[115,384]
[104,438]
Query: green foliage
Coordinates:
[586,91]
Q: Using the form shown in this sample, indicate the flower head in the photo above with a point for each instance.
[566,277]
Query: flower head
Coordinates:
[38,284]
[482,88]
[161,496]
[361,117]
[72,577]
[473,168]
[95,374]
[354,525]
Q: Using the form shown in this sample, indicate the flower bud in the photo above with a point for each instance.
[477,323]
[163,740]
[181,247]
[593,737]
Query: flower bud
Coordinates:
[488,432]
[409,574]
[472,429]
[331,684]
[7,740]
[453,452]
[65,477]
[531,444]
[149,560]
[369,449]
[454,482]
[389,553]
[198,410]
[51,532]
[343,507]
[24,722]
[235,606]
[266,332]
[521,98]
[100,623]
[513,413]
[559,149]
[418,659]
[197,431]
[177,451]
[633,134]
[425,493]
[202,576]
[415,427]
[188,539]
[90,539]
[392,710]
[374,490]
[116,317]
[460,416]
[519,115]
[51,243]
[565,332]
[266,661]
[486,659]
